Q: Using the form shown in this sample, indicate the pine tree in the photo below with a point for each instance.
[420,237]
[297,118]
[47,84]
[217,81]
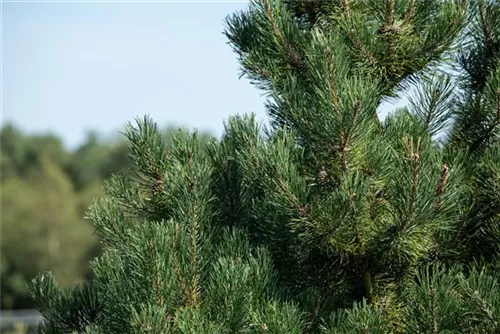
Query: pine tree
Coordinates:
[330,221]
[40,208]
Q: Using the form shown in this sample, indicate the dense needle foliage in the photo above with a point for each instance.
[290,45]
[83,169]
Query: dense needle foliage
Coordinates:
[331,220]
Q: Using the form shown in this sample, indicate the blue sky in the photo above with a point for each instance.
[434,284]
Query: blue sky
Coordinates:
[73,67]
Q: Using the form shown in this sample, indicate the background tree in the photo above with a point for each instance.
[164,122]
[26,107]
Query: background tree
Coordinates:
[41,231]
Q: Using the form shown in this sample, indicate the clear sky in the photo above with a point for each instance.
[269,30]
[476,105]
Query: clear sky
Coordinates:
[72,67]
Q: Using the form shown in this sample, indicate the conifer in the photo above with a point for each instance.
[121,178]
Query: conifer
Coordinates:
[332,220]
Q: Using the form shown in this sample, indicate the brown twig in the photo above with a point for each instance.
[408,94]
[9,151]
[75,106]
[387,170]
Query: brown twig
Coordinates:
[415,157]
[347,136]
[295,60]
[157,279]
[361,47]
[440,188]
[346,8]
[432,307]
[409,12]
[331,81]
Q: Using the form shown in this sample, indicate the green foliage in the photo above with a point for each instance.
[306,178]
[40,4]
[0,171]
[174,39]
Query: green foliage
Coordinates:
[478,118]
[41,231]
[332,221]
[449,301]
[74,309]
[476,134]
[480,57]
[478,233]
[440,301]
[19,153]
[478,107]
[396,40]
[361,318]
[45,187]
[178,271]
[94,161]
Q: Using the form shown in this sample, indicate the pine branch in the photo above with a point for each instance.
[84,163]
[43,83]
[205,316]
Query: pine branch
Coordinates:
[354,37]
[440,188]
[193,234]
[414,157]
[486,28]
[346,138]
[317,308]
[433,309]
[331,81]
[368,284]
[485,135]
[359,45]
[409,12]
[156,276]
[294,59]
[346,8]
[177,269]
[389,12]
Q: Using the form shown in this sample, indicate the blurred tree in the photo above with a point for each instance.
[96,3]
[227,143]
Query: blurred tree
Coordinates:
[86,162]
[41,230]
[19,152]
[13,151]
